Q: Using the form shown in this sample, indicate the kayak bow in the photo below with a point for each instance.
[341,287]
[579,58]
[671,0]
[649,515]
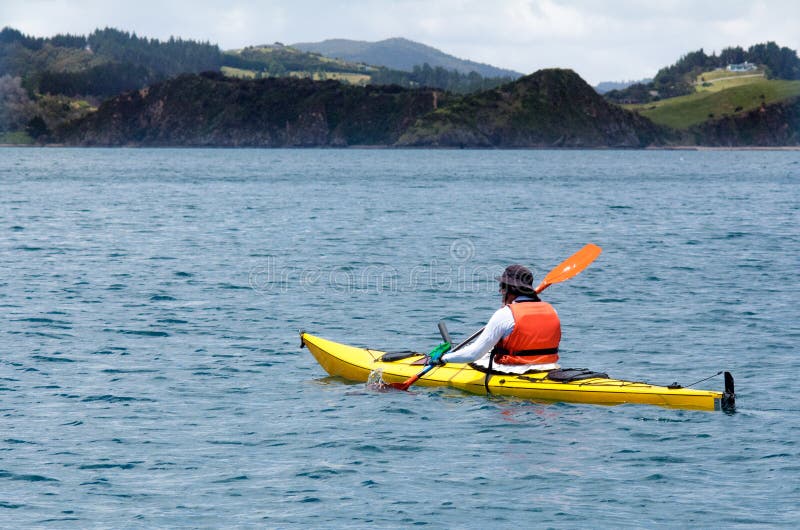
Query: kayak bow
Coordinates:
[356,364]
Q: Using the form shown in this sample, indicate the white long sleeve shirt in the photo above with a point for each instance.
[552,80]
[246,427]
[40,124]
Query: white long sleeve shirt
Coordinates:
[500,326]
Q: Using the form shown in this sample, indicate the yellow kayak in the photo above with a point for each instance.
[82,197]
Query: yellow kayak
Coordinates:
[356,364]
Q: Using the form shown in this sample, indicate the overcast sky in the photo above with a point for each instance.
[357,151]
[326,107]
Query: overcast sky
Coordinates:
[602,41]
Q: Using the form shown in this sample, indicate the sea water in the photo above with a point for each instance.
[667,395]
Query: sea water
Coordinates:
[151,375]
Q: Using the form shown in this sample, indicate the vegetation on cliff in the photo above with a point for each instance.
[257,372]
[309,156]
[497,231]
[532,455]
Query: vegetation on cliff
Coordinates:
[213,110]
[550,108]
[768,126]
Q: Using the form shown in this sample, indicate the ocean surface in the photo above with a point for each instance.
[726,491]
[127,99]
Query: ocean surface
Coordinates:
[151,375]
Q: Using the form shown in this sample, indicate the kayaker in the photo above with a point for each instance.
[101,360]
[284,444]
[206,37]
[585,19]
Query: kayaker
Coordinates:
[522,335]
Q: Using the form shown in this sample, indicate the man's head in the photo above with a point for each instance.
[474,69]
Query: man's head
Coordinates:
[516,280]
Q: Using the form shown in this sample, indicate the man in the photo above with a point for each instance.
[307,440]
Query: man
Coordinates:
[521,336]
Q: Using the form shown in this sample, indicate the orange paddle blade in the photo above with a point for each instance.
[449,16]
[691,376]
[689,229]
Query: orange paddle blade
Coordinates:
[571,266]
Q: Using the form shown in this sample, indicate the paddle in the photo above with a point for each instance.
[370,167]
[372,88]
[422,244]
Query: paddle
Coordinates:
[434,356]
[569,268]
[565,270]
[413,379]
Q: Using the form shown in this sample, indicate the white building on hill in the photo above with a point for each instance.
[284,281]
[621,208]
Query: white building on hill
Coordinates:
[742,67]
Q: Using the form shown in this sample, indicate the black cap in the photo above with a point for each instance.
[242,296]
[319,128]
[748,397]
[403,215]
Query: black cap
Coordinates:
[517,276]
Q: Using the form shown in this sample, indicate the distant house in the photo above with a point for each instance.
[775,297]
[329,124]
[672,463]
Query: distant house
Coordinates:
[742,67]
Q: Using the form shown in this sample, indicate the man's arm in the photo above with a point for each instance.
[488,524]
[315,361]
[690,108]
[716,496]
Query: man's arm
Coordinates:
[499,326]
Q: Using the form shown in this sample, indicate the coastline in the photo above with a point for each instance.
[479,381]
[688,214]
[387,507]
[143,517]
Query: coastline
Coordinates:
[371,147]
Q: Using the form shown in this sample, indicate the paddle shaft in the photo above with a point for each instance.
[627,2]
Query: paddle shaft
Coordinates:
[468,339]
[413,379]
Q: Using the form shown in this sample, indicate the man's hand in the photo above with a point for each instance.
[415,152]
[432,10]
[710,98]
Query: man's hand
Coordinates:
[435,356]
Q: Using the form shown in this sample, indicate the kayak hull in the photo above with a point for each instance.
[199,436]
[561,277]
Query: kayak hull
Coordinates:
[356,364]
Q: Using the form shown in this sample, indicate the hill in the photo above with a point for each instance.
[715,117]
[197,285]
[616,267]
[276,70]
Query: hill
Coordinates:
[399,54]
[103,63]
[734,95]
[213,110]
[60,78]
[278,60]
[679,79]
[728,99]
[49,81]
[550,108]
[51,90]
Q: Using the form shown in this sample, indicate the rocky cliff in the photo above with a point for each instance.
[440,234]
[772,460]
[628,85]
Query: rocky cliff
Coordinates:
[550,108]
[775,125]
[213,110]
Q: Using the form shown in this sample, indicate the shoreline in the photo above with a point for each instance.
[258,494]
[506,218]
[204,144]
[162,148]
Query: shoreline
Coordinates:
[432,148]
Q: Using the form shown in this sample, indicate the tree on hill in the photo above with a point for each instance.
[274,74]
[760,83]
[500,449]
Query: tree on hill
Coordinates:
[167,58]
[427,76]
[735,55]
[118,60]
[781,63]
[13,36]
[16,108]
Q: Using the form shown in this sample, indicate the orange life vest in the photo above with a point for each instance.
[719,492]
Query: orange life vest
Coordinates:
[535,338]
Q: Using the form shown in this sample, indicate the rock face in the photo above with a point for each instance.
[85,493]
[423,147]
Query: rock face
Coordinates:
[213,110]
[773,125]
[550,108]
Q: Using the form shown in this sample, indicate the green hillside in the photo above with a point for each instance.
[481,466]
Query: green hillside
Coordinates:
[277,60]
[256,62]
[734,95]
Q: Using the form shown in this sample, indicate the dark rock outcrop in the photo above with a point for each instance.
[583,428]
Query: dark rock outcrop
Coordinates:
[776,125]
[213,110]
[550,108]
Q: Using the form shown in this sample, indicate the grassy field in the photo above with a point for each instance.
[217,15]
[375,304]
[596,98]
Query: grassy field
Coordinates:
[347,77]
[238,72]
[721,73]
[719,80]
[740,95]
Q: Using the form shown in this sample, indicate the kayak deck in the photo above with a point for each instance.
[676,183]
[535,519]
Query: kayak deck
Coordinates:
[356,364]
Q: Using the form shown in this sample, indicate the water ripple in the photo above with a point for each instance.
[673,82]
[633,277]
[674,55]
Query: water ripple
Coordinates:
[150,372]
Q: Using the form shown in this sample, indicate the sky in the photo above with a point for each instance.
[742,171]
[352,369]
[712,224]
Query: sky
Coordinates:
[600,40]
